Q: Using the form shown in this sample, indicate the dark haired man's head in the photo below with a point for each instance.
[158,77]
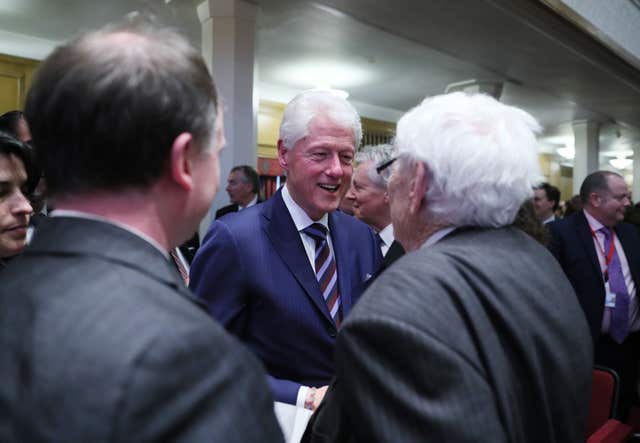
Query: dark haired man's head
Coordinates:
[243,185]
[15,208]
[14,124]
[605,196]
[133,89]
[546,199]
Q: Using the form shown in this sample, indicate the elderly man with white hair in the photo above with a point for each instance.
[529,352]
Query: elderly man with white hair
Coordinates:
[475,335]
[283,275]
[370,199]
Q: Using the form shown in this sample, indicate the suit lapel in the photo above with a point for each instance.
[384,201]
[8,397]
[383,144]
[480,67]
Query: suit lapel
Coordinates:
[286,241]
[395,252]
[629,251]
[341,252]
[584,234]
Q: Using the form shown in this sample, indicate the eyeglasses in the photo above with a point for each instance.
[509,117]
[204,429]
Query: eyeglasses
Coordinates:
[384,170]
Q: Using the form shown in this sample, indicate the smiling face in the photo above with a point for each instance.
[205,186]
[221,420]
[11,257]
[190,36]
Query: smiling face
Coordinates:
[371,203]
[14,206]
[608,206]
[319,166]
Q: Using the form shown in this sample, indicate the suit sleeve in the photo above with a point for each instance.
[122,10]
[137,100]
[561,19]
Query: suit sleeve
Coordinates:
[436,396]
[195,387]
[217,276]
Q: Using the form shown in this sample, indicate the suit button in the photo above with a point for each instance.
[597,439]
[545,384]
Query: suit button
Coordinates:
[332,332]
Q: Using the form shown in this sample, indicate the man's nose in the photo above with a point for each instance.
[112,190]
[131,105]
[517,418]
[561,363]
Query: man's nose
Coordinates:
[20,204]
[334,168]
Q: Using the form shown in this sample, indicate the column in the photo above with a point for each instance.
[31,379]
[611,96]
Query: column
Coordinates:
[228,47]
[587,146]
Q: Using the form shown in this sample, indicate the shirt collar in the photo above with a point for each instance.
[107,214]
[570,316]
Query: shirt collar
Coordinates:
[386,235]
[251,203]
[595,224]
[437,236]
[299,216]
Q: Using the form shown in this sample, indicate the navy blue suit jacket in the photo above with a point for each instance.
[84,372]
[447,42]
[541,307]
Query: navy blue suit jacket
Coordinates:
[255,276]
[572,244]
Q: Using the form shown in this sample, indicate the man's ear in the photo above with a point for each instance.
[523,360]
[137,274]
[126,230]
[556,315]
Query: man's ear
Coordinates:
[282,155]
[418,186]
[182,155]
[594,199]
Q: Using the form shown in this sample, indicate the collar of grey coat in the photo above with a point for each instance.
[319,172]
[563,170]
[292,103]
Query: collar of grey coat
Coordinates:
[104,241]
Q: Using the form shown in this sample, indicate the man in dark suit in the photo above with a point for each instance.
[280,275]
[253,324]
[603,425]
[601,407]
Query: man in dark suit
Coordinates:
[474,334]
[546,200]
[284,274]
[243,185]
[601,257]
[368,192]
[99,338]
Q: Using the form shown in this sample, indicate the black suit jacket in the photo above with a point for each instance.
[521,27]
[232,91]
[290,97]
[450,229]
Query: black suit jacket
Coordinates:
[230,208]
[101,341]
[395,252]
[226,210]
[572,245]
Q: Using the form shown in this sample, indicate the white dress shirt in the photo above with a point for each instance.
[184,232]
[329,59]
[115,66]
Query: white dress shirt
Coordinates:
[251,203]
[386,237]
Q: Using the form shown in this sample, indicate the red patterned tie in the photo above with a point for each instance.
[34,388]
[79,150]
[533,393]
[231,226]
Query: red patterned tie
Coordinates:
[326,270]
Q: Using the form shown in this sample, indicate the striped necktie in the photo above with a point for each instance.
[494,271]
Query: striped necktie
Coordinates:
[325,267]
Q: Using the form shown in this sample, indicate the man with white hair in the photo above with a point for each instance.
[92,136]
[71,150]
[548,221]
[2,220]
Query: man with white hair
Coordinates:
[284,274]
[368,192]
[475,334]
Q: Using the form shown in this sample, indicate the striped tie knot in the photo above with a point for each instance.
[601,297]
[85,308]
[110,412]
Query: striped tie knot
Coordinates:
[317,231]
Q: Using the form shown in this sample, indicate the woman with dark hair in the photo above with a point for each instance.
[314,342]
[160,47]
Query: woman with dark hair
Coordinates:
[14,123]
[16,166]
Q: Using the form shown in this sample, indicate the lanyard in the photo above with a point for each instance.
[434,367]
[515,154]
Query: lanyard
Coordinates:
[607,257]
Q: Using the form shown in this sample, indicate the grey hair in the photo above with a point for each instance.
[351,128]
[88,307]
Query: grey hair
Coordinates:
[480,155]
[308,104]
[377,155]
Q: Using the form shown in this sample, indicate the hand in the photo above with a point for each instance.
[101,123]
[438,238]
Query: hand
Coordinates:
[317,398]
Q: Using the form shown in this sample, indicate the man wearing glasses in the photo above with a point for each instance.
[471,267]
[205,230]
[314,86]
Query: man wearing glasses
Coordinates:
[370,198]
[475,334]
[601,257]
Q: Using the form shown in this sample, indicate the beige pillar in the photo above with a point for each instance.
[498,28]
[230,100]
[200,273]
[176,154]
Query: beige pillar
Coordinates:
[228,47]
[587,146]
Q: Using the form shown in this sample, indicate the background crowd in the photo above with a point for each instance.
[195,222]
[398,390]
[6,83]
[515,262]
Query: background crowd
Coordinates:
[428,290]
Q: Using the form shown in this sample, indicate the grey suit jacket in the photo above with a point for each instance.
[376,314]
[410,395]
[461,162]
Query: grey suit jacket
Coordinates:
[477,339]
[101,342]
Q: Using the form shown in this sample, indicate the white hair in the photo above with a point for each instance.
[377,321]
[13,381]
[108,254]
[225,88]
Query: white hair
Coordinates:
[308,104]
[480,155]
[377,155]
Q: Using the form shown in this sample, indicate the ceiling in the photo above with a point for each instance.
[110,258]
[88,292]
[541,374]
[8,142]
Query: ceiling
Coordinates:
[390,55]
